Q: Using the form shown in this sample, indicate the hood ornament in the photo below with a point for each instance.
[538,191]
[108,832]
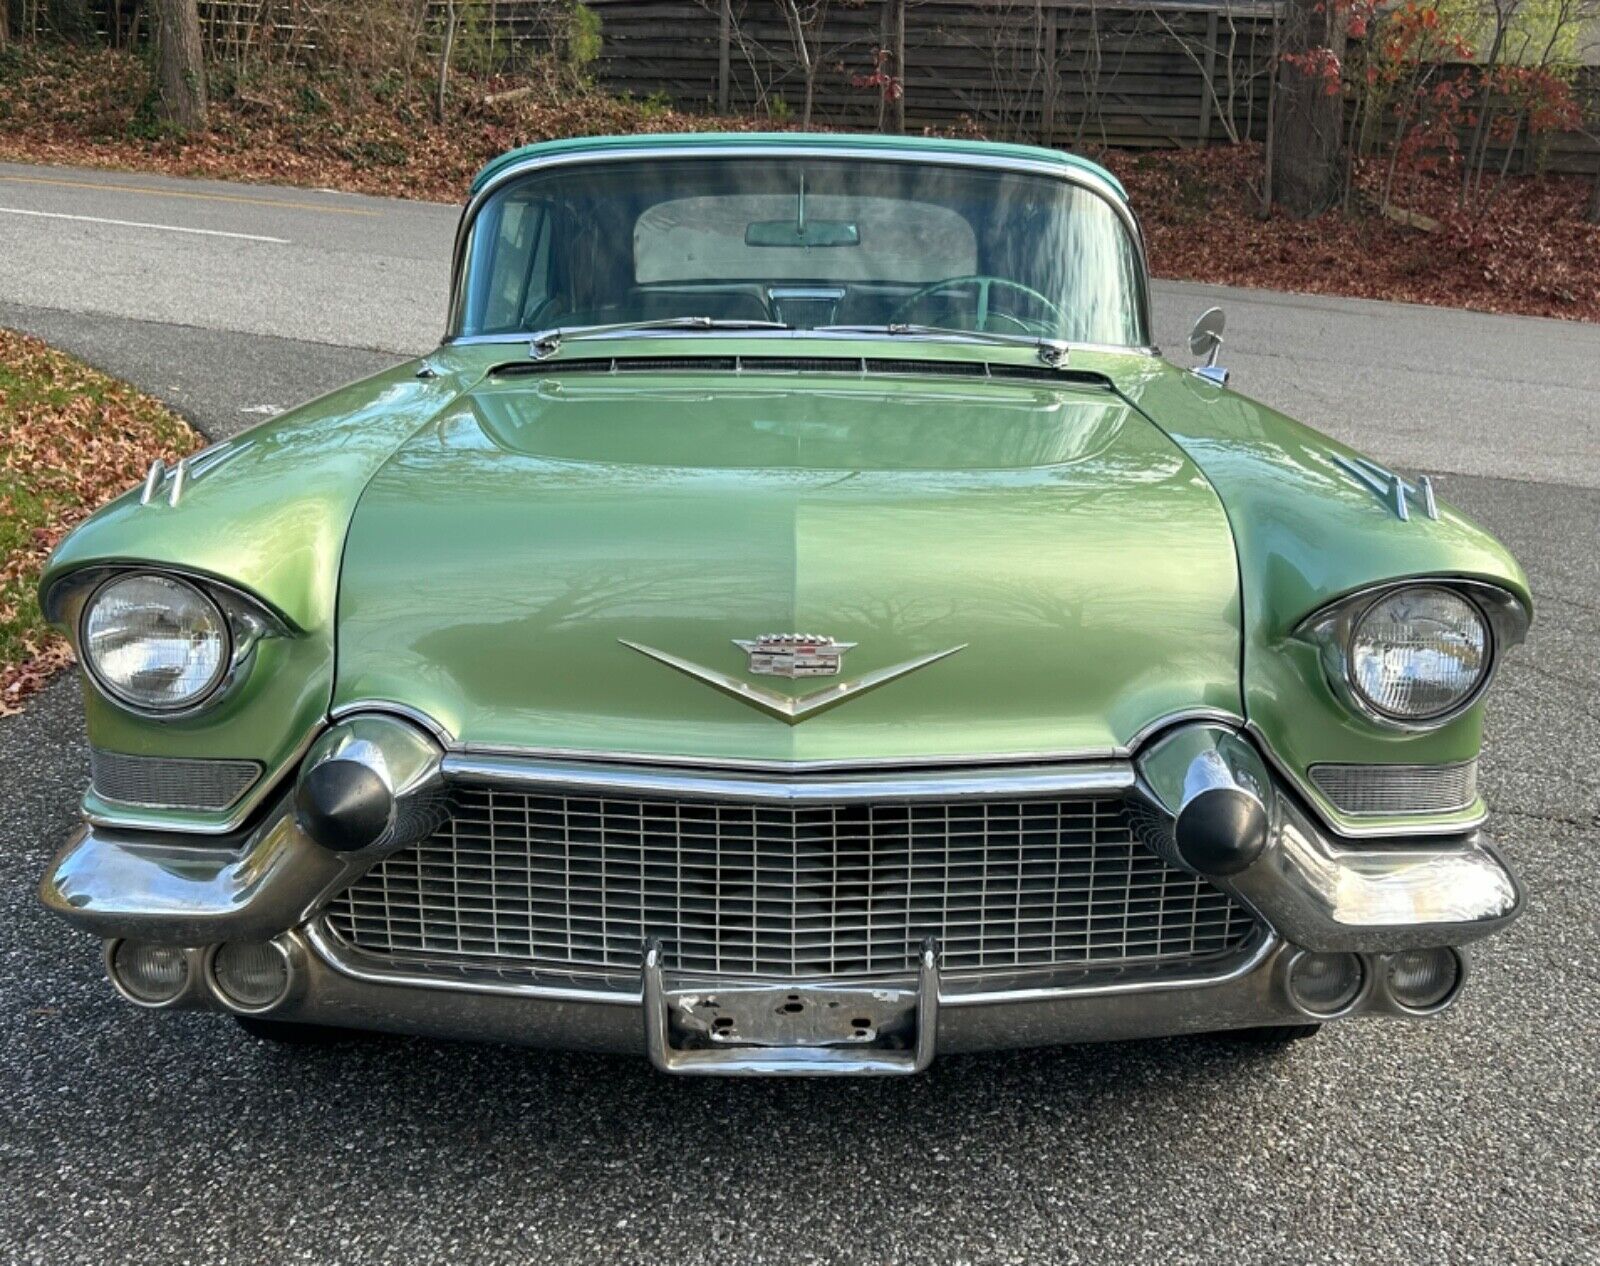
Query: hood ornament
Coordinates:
[794,655]
[791,655]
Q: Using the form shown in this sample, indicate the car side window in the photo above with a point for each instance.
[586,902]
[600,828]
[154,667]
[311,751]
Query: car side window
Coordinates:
[520,266]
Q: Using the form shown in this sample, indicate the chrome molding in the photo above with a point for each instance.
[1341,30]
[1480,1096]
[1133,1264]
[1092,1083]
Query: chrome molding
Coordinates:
[1391,488]
[959,760]
[1084,778]
[1084,179]
[1328,815]
[348,962]
[953,995]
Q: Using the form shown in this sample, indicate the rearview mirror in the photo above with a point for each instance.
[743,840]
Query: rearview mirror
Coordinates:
[795,233]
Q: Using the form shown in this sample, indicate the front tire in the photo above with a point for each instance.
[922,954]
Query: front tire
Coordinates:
[1272,1035]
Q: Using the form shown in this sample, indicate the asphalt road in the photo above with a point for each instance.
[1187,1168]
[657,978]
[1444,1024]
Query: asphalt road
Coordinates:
[1472,1138]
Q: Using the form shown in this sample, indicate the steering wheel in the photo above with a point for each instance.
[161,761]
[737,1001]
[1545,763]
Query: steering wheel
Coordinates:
[985,313]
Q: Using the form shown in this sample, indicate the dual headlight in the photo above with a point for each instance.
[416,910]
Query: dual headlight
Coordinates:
[1416,654]
[161,643]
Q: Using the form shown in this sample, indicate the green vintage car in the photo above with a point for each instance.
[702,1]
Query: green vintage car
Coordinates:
[796,622]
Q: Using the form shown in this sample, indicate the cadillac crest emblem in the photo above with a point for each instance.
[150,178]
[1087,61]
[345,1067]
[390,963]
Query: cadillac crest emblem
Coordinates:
[794,655]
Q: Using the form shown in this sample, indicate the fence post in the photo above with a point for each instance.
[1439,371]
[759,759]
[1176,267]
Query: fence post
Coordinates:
[1208,79]
[724,55]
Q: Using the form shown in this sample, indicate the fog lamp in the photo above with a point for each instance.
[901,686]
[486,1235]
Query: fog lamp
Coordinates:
[250,975]
[1325,984]
[1424,980]
[150,974]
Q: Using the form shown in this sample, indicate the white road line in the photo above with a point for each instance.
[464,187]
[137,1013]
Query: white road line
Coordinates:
[136,224]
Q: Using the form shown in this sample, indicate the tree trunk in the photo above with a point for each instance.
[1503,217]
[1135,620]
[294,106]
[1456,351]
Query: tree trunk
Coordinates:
[444,56]
[1594,199]
[5,25]
[180,63]
[1308,121]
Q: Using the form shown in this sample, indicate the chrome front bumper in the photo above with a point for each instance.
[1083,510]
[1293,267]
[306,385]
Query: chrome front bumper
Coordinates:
[1309,890]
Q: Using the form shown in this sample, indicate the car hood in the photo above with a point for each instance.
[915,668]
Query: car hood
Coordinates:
[503,559]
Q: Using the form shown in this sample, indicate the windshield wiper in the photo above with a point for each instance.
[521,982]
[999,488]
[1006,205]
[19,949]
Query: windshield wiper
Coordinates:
[1051,351]
[547,343]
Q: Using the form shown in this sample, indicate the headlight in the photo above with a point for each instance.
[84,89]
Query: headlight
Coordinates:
[1419,653]
[155,642]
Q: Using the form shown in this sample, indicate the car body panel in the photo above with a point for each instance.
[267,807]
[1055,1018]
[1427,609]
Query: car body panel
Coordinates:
[269,516]
[500,559]
[1308,532]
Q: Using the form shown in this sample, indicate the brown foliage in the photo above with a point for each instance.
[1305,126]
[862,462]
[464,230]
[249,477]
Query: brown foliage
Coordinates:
[1530,252]
[70,440]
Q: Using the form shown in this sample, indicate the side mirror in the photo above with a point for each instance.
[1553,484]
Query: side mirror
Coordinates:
[1206,340]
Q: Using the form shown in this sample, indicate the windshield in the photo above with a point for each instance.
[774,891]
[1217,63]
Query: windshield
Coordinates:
[805,243]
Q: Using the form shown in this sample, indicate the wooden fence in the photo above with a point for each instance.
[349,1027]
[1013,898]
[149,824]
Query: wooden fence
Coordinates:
[1070,73]
[1152,74]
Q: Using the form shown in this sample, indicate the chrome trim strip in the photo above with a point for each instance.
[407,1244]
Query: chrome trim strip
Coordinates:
[481,340]
[1083,779]
[821,149]
[347,962]
[1392,489]
[1267,942]
[960,760]
[152,481]
[415,715]
[339,957]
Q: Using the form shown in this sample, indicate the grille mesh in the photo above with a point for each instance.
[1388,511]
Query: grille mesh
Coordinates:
[160,782]
[574,885]
[1398,789]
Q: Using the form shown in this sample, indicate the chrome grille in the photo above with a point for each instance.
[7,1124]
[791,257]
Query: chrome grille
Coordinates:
[1398,789]
[162,782]
[573,885]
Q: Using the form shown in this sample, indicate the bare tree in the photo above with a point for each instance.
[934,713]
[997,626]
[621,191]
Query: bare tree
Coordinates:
[805,19]
[180,64]
[450,17]
[1307,110]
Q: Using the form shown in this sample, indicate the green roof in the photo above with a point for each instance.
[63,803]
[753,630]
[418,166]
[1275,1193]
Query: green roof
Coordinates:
[733,141]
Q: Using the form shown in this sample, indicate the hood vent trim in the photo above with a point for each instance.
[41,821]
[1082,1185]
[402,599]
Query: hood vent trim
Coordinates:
[848,366]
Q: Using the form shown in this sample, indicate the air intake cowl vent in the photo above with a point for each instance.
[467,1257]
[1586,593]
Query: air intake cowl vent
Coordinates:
[839,366]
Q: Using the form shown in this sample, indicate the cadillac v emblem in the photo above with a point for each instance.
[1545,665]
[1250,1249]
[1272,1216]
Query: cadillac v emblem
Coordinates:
[791,655]
[794,655]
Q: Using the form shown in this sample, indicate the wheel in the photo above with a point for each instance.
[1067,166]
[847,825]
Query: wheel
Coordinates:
[1272,1034]
[286,1034]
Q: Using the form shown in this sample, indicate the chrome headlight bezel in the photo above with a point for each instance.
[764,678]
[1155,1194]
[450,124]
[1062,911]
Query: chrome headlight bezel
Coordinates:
[245,620]
[1332,629]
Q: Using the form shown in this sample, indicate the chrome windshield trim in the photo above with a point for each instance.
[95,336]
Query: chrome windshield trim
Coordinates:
[834,336]
[1082,779]
[1071,175]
